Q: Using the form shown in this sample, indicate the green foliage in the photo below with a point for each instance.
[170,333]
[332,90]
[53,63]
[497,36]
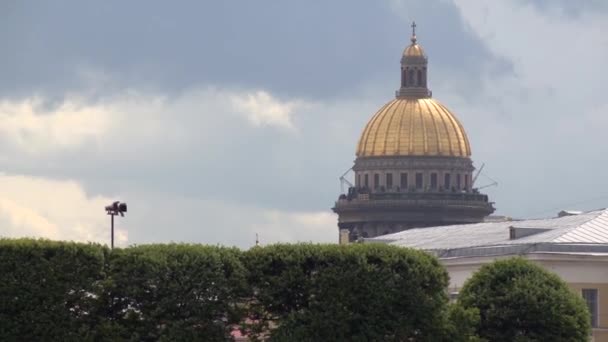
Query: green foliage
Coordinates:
[520,301]
[45,289]
[361,292]
[64,291]
[461,324]
[174,292]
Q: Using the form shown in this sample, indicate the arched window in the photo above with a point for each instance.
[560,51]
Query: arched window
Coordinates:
[410,77]
[419,78]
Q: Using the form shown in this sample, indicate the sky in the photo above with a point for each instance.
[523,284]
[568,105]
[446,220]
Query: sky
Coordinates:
[219,120]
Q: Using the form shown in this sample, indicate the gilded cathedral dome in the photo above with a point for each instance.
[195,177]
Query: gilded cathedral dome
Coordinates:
[413,127]
[414,124]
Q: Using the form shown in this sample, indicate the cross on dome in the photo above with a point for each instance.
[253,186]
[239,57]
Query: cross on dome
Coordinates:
[414,32]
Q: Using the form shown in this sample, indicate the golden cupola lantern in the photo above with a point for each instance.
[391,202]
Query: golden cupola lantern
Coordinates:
[412,166]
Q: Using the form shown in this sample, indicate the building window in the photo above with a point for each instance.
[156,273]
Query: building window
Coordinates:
[466,182]
[389,180]
[590,296]
[433,180]
[403,78]
[424,77]
[366,180]
[419,78]
[376,181]
[458,181]
[404,181]
[410,77]
[359,180]
[446,181]
[418,180]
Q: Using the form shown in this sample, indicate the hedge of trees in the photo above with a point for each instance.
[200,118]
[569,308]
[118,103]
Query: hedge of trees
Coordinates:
[67,291]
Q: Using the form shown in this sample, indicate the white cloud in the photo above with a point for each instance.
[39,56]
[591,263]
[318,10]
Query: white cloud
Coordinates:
[60,210]
[261,109]
[31,129]
[135,121]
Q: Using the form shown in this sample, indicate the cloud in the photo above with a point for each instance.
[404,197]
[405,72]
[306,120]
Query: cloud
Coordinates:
[32,129]
[155,151]
[60,210]
[262,109]
[274,47]
[198,143]
[134,121]
[539,128]
[200,139]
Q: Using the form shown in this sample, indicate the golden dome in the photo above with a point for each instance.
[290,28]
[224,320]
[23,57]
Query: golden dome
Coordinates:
[414,50]
[413,127]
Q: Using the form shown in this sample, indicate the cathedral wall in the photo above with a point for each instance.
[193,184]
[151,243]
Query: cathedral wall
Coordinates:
[420,173]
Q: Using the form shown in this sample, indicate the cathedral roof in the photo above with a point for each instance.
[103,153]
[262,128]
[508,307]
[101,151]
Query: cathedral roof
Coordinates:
[413,127]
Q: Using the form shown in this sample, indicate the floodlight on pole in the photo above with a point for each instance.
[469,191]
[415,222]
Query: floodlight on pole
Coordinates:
[113,209]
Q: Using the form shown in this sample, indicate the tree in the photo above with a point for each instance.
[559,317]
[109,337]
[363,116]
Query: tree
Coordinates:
[172,292]
[460,325]
[360,292]
[46,289]
[520,301]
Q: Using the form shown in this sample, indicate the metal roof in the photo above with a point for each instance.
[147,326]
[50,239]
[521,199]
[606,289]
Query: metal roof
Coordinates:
[569,234]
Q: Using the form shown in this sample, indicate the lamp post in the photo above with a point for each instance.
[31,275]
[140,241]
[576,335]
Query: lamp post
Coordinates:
[113,209]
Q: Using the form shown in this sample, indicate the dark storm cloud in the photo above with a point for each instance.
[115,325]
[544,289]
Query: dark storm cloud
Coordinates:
[307,49]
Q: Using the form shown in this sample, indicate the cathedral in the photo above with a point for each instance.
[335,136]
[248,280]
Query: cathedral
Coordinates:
[413,164]
[414,187]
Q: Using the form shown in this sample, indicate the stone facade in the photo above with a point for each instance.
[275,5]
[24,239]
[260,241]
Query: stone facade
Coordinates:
[437,173]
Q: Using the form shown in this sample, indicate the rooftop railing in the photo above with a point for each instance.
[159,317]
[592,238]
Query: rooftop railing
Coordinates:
[412,196]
